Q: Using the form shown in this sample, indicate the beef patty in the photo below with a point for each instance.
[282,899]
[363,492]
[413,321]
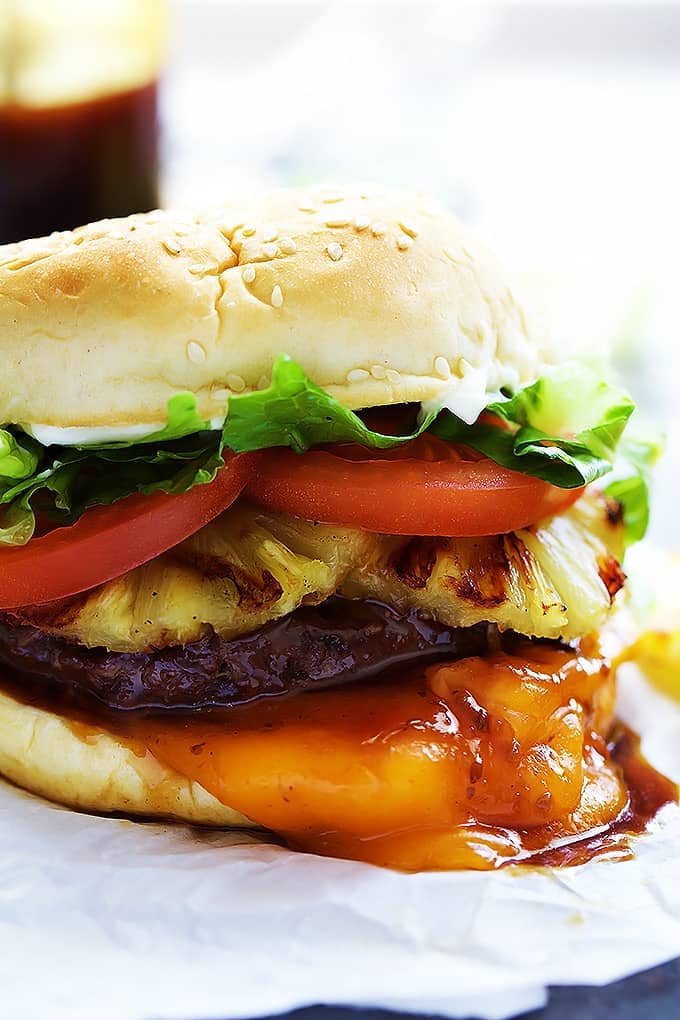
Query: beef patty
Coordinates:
[339,641]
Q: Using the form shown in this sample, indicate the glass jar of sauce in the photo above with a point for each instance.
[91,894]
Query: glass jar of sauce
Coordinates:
[78,111]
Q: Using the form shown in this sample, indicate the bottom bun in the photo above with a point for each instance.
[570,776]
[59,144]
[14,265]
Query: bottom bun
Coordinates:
[94,771]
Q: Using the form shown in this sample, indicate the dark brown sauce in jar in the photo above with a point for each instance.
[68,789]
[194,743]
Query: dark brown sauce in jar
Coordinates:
[62,166]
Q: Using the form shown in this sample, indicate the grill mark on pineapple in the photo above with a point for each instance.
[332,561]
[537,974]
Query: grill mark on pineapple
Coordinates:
[60,613]
[483,584]
[611,574]
[414,562]
[524,559]
[254,591]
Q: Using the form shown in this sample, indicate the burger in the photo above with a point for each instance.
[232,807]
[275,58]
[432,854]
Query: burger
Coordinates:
[304,529]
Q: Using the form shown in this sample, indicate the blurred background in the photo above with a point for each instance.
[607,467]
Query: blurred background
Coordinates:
[551,126]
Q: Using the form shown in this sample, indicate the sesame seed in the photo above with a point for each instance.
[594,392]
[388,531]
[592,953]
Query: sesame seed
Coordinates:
[248,274]
[338,221]
[333,196]
[378,371]
[287,246]
[334,251]
[220,394]
[408,229]
[270,234]
[404,242]
[270,250]
[199,269]
[468,254]
[249,230]
[379,229]
[451,256]
[277,297]
[442,367]
[357,375]
[236,383]
[307,208]
[361,222]
[392,376]
[195,352]
[171,247]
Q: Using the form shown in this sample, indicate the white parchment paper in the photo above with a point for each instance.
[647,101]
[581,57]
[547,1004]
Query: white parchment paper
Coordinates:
[113,920]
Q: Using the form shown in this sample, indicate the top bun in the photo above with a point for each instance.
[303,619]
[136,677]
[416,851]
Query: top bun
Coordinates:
[380,297]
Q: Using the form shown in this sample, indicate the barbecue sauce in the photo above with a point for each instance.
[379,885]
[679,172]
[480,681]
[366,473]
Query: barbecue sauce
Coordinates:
[474,764]
[492,760]
[62,166]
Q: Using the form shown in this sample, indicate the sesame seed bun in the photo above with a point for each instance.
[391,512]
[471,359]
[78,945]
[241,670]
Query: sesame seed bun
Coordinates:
[92,770]
[380,297]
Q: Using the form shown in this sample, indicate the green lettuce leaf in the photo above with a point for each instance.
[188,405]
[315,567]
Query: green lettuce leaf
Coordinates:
[18,459]
[183,420]
[565,429]
[71,480]
[294,412]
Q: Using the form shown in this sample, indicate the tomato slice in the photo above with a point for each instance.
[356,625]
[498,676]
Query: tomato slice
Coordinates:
[107,541]
[427,487]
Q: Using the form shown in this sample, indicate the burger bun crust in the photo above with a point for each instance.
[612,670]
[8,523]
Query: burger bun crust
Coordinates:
[381,297]
[92,770]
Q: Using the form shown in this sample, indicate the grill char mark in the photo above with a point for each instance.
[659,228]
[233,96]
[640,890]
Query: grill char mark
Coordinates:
[485,584]
[611,575]
[414,562]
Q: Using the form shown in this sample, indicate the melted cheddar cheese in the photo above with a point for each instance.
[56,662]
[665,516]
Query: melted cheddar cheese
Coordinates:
[464,765]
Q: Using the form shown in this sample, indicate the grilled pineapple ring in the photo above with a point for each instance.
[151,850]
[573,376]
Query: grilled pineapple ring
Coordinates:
[556,579]
[242,570]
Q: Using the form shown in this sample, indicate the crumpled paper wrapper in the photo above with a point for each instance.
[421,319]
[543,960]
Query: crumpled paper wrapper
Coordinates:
[125,921]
